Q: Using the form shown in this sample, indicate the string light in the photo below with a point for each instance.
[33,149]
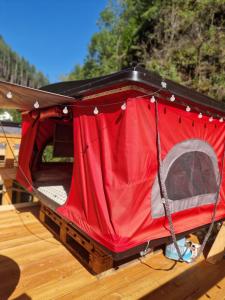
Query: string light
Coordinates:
[164,84]
[172,98]
[152,99]
[36,104]
[124,106]
[96,111]
[211,119]
[9,95]
[188,109]
[65,110]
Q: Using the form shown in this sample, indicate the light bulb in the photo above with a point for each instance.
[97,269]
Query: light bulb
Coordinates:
[65,110]
[188,108]
[200,115]
[221,120]
[172,98]
[211,119]
[96,111]
[9,95]
[36,104]
[152,99]
[124,106]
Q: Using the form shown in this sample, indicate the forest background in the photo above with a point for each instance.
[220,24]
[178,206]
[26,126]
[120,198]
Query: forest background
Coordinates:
[183,40]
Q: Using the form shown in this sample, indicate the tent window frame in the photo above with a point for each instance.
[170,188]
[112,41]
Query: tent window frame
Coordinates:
[190,145]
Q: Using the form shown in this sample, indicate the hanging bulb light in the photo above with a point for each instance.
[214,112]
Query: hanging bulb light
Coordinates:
[96,111]
[152,99]
[211,119]
[65,110]
[188,108]
[163,84]
[172,98]
[200,115]
[221,120]
[36,104]
[9,95]
[124,106]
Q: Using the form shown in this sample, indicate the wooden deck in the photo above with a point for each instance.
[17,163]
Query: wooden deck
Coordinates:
[34,265]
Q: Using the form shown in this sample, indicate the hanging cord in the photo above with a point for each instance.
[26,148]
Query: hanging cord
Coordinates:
[165,198]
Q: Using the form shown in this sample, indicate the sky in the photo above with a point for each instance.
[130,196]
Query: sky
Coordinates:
[53,35]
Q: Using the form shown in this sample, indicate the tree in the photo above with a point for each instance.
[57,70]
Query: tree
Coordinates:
[180,39]
[15,69]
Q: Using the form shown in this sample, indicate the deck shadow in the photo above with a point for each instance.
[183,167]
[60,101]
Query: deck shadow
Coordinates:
[23,297]
[9,276]
[34,210]
[191,284]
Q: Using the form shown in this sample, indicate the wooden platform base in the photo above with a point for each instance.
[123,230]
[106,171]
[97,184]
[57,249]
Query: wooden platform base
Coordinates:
[216,253]
[88,252]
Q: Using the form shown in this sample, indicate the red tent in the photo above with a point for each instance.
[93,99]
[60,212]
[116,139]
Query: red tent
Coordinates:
[112,132]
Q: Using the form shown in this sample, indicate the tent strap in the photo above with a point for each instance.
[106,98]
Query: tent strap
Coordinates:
[165,198]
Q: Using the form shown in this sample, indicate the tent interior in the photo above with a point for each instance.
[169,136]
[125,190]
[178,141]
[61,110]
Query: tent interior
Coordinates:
[52,162]
[53,152]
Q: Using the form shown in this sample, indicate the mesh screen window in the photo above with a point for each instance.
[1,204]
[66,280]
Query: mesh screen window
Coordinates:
[190,175]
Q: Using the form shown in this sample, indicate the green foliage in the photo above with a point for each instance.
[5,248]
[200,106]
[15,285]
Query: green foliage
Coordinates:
[16,115]
[183,40]
[15,69]
[48,156]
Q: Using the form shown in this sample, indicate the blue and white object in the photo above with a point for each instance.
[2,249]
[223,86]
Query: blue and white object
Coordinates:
[185,251]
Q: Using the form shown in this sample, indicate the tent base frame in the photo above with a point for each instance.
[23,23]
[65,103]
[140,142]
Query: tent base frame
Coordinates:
[85,250]
[94,256]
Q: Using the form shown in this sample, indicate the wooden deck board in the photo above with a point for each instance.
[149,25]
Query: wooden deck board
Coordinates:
[34,265]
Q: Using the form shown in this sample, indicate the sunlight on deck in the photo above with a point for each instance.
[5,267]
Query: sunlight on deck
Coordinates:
[34,265]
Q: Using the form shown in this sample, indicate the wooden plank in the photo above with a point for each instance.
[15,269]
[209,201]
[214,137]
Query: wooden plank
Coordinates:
[7,195]
[8,173]
[18,206]
[216,252]
[34,265]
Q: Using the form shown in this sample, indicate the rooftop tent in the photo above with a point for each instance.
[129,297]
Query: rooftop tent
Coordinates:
[104,175]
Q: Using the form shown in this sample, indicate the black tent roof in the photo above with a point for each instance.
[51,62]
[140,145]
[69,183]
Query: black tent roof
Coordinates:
[80,88]
[24,98]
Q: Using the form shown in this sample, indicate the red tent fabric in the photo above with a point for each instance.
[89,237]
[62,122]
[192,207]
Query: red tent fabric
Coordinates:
[29,130]
[116,166]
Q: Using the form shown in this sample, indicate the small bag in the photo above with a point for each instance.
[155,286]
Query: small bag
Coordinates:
[185,251]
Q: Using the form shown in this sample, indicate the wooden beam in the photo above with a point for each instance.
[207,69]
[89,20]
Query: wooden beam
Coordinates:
[216,252]
[8,173]
[18,206]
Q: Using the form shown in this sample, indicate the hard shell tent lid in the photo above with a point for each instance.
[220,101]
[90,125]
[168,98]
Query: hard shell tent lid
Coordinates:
[23,98]
[133,76]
